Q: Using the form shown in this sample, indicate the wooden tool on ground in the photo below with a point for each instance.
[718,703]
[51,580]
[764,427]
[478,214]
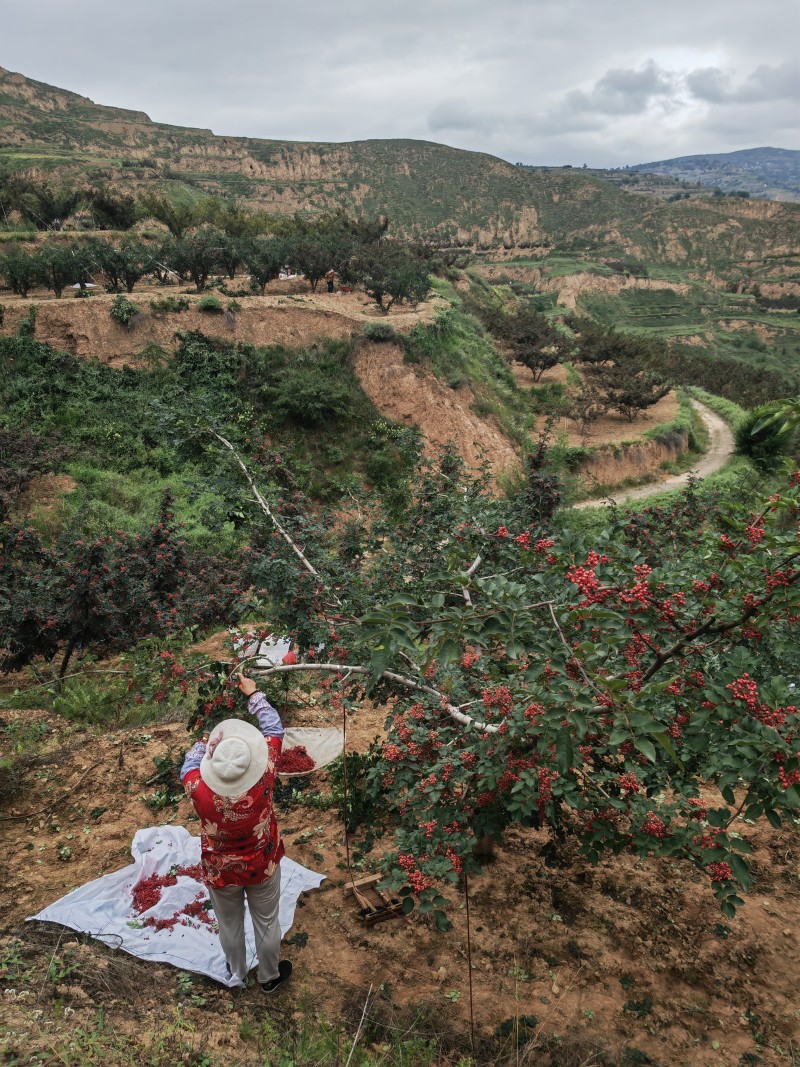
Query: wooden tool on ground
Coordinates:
[375,906]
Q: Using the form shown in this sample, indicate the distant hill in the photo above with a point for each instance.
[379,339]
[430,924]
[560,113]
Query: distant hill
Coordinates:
[468,198]
[766,173]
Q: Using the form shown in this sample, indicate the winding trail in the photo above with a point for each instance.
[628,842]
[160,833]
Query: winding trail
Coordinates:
[720,449]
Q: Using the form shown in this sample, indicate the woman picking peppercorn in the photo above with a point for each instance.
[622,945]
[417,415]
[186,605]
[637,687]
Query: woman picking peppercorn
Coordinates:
[230,780]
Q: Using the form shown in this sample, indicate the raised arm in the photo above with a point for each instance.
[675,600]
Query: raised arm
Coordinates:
[193,758]
[269,721]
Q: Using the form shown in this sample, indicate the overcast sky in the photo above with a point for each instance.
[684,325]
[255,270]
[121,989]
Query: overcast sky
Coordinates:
[603,82]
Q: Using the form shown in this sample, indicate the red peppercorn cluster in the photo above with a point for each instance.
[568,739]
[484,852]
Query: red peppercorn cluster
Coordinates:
[295,761]
[147,893]
[720,872]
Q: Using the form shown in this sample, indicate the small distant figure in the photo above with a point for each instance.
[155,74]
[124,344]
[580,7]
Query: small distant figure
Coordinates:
[329,277]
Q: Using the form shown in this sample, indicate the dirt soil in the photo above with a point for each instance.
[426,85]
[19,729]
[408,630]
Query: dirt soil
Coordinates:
[627,957]
[412,397]
[288,314]
[720,450]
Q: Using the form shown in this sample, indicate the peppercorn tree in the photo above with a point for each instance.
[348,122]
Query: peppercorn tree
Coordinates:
[621,688]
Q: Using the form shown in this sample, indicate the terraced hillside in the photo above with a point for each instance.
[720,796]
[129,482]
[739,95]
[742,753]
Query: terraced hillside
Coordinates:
[472,198]
[732,328]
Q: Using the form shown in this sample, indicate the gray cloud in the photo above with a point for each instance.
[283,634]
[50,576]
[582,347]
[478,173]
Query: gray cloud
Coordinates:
[544,81]
[459,115]
[765,83]
[772,83]
[624,92]
[710,84]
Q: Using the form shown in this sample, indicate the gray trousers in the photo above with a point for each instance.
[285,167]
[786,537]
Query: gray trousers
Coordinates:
[262,900]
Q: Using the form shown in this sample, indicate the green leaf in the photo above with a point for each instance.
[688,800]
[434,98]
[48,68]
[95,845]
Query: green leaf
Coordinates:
[773,818]
[380,660]
[564,751]
[668,747]
[647,748]
[741,871]
[448,651]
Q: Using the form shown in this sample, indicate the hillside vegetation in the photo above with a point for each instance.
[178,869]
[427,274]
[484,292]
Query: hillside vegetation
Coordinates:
[772,173]
[469,197]
[572,747]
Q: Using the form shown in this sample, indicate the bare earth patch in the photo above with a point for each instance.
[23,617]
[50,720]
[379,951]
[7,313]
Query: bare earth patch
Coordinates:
[623,956]
[406,394]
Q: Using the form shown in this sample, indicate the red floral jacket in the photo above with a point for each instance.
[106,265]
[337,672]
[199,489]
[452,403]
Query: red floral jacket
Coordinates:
[240,841]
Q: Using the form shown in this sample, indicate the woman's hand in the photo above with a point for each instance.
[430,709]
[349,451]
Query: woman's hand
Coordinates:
[247,685]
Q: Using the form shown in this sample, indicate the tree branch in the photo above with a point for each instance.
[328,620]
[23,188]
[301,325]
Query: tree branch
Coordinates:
[259,499]
[390,676]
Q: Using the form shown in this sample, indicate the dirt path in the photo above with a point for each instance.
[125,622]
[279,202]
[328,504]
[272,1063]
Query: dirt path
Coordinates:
[721,446]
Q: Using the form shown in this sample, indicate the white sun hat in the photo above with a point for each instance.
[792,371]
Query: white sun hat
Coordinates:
[235,758]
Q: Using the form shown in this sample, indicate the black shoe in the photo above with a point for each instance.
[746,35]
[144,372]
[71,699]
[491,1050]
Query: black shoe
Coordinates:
[284,973]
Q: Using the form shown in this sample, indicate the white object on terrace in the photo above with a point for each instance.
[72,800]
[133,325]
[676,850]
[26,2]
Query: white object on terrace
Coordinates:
[104,908]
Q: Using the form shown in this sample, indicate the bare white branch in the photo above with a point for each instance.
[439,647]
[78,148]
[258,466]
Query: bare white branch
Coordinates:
[391,676]
[259,499]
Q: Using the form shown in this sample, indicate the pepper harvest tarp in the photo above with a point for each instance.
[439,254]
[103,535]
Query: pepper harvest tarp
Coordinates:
[104,908]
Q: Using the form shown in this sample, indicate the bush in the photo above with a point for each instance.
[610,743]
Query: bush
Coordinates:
[380,331]
[209,304]
[309,396]
[765,444]
[166,304]
[124,311]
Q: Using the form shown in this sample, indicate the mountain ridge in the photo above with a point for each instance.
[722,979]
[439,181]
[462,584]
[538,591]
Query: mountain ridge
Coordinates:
[465,198]
[765,172]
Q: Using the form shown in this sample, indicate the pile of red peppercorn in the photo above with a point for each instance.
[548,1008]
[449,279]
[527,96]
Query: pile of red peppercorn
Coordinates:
[147,893]
[295,761]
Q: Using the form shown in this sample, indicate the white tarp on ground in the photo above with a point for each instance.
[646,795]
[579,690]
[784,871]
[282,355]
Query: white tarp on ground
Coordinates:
[322,744]
[103,908]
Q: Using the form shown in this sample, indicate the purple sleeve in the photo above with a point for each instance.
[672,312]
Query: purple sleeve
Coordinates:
[193,758]
[269,721]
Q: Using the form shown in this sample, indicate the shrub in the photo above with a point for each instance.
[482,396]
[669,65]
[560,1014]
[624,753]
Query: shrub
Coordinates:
[197,254]
[123,266]
[209,304]
[21,270]
[166,304]
[263,257]
[380,331]
[124,311]
[310,396]
[764,443]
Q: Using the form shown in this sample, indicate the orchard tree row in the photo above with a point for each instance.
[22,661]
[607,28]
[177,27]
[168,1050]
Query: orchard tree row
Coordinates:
[389,270]
[616,368]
